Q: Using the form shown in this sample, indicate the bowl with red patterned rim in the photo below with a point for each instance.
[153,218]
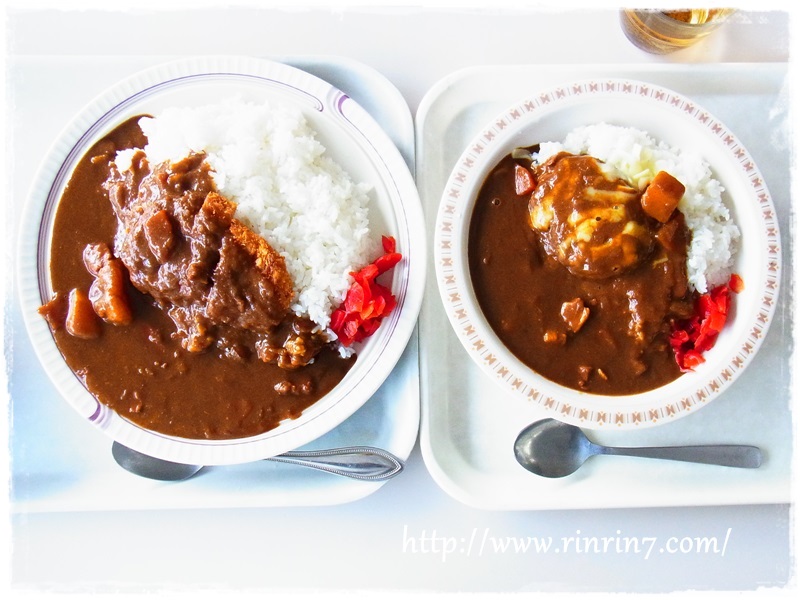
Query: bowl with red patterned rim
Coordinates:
[351,137]
[666,116]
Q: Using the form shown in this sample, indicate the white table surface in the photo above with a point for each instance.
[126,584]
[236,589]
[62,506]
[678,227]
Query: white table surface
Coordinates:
[409,535]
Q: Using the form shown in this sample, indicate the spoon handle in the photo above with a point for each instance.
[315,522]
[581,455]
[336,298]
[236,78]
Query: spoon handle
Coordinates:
[747,457]
[357,462]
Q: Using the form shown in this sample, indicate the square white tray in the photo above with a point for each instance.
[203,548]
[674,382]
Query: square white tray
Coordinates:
[60,463]
[469,424]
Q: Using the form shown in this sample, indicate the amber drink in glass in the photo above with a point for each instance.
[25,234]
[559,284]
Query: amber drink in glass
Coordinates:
[664,31]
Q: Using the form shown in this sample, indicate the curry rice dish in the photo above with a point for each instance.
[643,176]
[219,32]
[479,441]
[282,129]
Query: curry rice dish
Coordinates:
[583,274]
[172,310]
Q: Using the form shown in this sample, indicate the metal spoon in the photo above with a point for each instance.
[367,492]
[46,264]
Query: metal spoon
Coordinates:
[551,448]
[357,462]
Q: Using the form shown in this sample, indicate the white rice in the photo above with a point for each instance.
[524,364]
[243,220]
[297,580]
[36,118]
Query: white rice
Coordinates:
[639,157]
[267,160]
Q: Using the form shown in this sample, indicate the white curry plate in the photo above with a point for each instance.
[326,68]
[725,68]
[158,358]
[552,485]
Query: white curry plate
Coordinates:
[352,138]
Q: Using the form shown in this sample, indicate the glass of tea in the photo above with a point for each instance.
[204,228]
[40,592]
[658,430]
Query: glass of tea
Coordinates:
[664,31]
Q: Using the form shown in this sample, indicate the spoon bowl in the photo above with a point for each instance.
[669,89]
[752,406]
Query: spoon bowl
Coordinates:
[149,467]
[551,448]
[357,462]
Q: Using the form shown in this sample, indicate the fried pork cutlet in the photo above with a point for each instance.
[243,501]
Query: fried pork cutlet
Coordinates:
[181,244]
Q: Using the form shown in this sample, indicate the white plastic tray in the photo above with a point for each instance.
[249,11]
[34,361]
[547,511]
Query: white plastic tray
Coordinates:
[61,463]
[469,423]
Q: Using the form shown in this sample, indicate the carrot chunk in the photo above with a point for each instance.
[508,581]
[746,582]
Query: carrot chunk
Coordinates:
[523,180]
[82,322]
[55,311]
[662,196]
[107,292]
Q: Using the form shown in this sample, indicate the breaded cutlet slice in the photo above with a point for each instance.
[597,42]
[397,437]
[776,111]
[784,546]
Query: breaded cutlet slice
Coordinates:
[268,261]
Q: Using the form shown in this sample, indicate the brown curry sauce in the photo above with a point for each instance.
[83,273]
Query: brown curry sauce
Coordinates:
[601,334]
[141,370]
